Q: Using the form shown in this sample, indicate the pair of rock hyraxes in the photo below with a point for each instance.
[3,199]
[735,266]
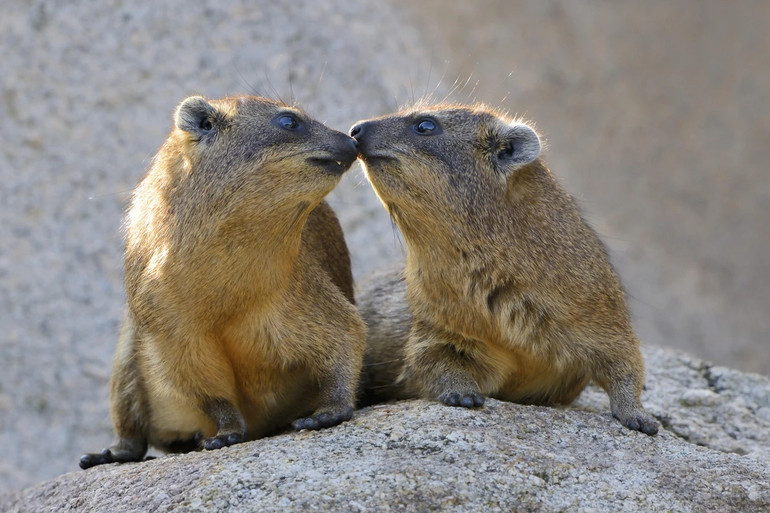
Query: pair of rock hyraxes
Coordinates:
[241,317]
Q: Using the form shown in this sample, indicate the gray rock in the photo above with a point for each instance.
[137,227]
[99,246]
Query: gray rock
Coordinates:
[711,406]
[422,456]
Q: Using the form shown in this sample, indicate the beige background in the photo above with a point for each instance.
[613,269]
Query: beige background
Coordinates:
[656,114]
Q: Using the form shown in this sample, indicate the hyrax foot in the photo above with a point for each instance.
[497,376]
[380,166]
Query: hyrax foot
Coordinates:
[121,452]
[639,420]
[93,459]
[219,441]
[323,419]
[463,399]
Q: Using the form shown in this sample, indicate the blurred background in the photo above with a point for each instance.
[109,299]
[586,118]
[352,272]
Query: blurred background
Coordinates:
[656,115]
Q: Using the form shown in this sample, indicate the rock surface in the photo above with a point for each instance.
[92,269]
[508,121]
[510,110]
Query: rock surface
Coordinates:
[422,456]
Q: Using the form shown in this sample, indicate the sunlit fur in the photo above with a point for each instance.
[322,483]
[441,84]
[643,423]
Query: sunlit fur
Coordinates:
[240,302]
[507,292]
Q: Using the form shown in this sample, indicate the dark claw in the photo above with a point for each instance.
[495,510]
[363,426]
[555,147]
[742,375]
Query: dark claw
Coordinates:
[92,459]
[219,441]
[466,400]
[649,428]
[323,420]
[305,423]
[642,422]
[452,399]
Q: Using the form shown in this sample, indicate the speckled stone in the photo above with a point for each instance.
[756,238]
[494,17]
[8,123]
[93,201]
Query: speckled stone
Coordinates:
[420,456]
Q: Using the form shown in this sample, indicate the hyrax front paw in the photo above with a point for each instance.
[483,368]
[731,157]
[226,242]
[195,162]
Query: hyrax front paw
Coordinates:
[324,418]
[224,440]
[639,420]
[470,399]
[125,450]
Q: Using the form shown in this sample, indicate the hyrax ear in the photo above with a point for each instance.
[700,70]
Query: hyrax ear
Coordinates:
[522,145]
[195,115]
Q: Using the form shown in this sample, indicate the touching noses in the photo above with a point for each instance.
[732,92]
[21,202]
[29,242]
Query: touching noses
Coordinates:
[358,130]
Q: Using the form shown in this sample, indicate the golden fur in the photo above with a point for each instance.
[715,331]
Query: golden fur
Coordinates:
[507,292]
[240,313]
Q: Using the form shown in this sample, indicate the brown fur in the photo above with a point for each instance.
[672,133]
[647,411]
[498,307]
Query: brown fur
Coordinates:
[240,296]
[507,292]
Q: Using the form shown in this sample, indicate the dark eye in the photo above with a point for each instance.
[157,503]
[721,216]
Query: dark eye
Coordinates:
[426,127]
[287,122]
[506,152]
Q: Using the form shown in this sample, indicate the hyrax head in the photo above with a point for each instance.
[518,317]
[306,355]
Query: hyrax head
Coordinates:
[255,151]
[444,168]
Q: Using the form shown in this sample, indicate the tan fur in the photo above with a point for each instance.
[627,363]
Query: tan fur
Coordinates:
[240,301]
[507,291]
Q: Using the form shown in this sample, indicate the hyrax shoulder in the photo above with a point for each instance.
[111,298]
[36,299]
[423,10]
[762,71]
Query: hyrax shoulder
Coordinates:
[240,312]
[508,292]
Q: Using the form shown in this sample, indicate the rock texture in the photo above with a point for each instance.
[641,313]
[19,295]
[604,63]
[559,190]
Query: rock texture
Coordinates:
[421,456]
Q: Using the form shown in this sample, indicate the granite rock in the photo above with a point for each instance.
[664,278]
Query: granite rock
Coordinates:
[422,456]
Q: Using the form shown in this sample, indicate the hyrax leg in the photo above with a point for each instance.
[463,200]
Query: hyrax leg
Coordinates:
[209,381]
[338,383]
[231,426]
[440,368]
[130,413]
[337,391]
[622,377]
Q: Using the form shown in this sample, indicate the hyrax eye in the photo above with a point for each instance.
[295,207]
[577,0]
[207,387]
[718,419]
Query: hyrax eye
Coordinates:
[206,124]
[427,127]
[287,122]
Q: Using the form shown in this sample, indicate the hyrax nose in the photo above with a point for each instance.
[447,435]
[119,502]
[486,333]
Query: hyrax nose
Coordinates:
[358,130]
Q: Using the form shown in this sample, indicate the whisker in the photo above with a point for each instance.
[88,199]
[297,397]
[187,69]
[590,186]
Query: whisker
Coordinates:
[377,387]
[252,88]
[273,90]
[108,194]
[430,71]
[433,92]
[383,363]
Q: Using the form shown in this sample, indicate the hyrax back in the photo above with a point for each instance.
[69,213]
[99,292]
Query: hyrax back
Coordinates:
[507,292]
[240,313]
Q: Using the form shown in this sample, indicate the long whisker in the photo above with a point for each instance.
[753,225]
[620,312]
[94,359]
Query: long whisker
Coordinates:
[383,363]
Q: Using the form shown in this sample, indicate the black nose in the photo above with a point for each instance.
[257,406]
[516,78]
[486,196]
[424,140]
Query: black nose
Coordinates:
[357,131]
[354,144]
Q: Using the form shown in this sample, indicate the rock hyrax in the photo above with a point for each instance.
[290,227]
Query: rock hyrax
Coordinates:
[507,292]
[240,313]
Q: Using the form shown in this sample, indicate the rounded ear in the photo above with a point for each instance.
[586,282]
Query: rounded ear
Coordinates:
[195,115]
[522,144]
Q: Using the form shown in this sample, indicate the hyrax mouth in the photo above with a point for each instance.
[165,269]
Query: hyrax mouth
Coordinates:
[378,159]
[330,165]
[337,159]
[334,162]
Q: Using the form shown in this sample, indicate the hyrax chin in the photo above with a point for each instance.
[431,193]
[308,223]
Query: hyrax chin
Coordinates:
[507,292]
[240,313]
